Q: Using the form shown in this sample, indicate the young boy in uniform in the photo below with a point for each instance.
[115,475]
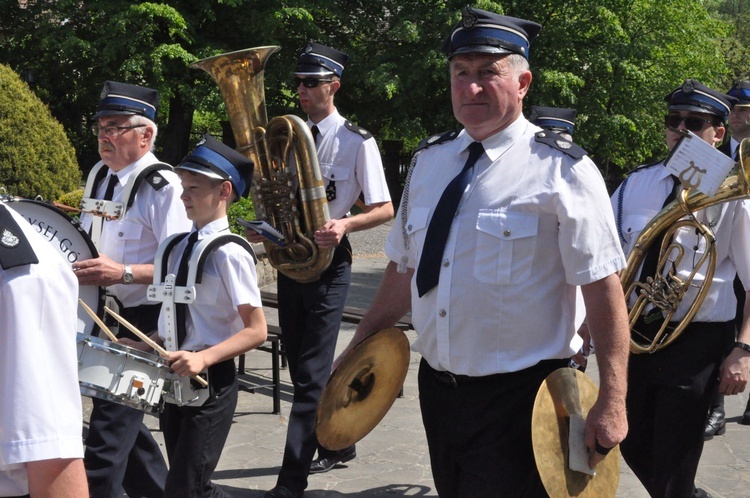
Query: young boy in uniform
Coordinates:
[223,320]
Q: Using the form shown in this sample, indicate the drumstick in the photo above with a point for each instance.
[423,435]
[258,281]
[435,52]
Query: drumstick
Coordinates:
[162,352]
[97,320]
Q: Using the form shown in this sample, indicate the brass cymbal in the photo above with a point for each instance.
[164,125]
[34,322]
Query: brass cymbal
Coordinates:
[362,389]
[567,392]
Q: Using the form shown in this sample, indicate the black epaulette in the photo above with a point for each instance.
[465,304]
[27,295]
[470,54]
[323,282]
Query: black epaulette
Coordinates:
[438,139]
[156,179]
[645,166]
[15,248]
[358,130]
[560,143]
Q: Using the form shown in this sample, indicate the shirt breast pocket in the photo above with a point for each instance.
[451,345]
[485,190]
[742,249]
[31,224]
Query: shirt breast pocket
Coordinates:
[506,246]
[416,229]
[633,225]
[127,241]
[334,173]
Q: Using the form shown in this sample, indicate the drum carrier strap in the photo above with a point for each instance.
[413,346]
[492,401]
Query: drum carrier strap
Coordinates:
[165,291]
[116,210]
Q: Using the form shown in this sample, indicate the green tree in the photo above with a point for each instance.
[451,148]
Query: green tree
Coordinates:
[36,157]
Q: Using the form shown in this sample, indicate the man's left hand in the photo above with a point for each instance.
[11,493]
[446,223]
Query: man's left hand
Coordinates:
[331,234]
[606,427]
[101,271]
[733,373]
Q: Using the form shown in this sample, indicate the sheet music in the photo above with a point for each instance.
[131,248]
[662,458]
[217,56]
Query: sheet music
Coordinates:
[698,164]
[264,229]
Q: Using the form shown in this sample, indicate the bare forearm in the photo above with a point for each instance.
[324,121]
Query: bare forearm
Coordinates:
[370,217]
[392,301]
[607,320]
[58,478]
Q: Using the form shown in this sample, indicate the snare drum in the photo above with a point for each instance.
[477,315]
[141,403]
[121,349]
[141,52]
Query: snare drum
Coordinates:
[70,240]
[119,373]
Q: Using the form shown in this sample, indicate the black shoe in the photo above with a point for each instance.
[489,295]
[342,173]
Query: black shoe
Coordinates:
[325,464]
[282,492]
[716,425]
[745,418]
[701,493]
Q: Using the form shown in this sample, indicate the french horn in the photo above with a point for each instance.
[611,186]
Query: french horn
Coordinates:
[665,290]
[288,190]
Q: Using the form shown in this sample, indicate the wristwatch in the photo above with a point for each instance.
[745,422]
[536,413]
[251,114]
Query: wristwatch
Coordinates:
[127,277]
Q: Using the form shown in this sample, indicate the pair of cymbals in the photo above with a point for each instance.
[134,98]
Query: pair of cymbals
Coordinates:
[362,389]
[565,397]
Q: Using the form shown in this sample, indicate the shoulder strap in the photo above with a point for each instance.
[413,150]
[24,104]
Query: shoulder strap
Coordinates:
[206,246]
[162,256]
[151,175]
[560,143]
[357,129]
[438,139]
[15,248]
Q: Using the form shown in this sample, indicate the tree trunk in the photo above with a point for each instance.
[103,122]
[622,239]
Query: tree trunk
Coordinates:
[175,138]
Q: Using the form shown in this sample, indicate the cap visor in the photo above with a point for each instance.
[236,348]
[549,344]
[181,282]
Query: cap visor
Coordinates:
[105,113]
[480,49]
[195,168]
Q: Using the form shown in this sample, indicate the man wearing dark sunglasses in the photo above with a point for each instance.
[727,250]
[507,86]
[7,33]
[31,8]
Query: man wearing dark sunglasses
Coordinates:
[310,313]
[670,390]
[739,127]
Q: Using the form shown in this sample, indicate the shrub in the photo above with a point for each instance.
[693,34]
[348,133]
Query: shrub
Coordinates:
[36,157]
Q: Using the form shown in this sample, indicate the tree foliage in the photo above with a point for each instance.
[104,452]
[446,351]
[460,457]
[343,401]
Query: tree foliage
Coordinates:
[36,157]
[612,60]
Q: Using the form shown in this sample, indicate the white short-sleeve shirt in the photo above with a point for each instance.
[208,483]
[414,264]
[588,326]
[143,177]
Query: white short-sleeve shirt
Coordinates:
[641,196]
[353,162]
[40,411]
[134,238]
[229,280]
[532,225]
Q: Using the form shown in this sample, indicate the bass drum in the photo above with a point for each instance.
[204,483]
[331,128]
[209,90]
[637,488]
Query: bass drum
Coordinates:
[70,240]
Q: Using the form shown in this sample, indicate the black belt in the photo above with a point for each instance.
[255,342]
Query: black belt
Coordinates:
[454,381]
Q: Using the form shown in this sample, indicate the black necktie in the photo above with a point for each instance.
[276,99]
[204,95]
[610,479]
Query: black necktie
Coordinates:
[331,188]
[181,280]
[652,257]
[428,272]
[113,180]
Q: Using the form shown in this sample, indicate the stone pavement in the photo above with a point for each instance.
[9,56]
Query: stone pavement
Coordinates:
[393,460]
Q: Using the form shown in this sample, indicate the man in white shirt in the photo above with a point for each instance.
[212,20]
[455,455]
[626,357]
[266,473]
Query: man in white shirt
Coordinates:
[41,452]
[492,294]
[144,197]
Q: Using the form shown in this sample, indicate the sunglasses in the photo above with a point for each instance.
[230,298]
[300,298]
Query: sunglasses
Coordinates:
[692,123]
[309,82]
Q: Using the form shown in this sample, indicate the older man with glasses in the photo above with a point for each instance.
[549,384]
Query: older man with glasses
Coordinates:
[131,204]
[669,391]
[310,313]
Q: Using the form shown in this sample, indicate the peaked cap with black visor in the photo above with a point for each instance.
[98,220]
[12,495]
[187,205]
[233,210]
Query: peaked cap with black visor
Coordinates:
[123,99]
[216,160]
[693,96]
[553,118]
[480,31]
[318,61]
[741,91]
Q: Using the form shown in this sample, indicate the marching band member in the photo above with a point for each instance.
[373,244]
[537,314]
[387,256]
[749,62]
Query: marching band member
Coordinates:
[310,313]
[675,383]
[503,221]
[40,415]
[143,195]
[225,319]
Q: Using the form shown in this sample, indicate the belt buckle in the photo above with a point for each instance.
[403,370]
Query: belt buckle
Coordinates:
[448,379]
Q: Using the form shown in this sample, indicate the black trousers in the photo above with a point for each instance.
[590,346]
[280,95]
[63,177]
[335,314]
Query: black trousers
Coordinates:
[120,450]
[309,317]
[669,393]
[479,431]
[195,436]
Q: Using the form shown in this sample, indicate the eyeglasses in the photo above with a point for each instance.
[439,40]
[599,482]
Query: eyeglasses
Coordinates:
[112,131]
[692,123]
[309,82]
